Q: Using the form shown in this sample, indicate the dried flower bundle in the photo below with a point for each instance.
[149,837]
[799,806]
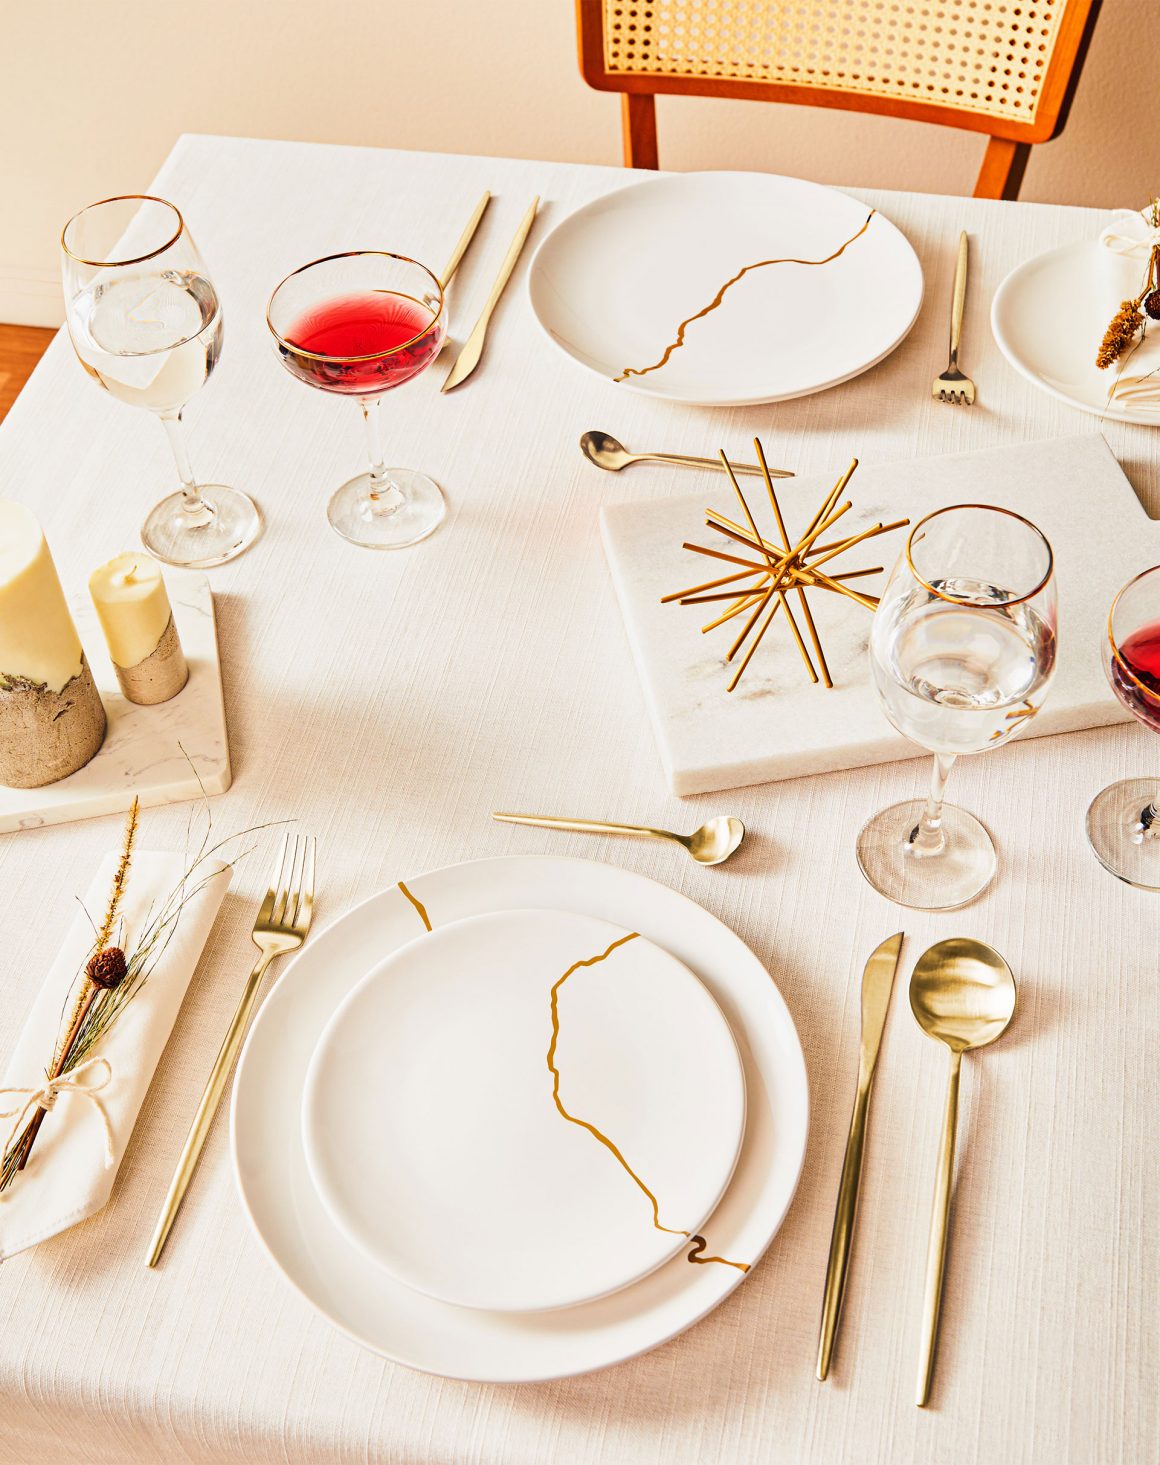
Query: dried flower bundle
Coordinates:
[111,976]
[1124,329]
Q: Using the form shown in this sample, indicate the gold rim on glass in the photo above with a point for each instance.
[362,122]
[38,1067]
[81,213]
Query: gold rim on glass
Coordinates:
[1116,657]
[990,509]
[137,259]
[371,355]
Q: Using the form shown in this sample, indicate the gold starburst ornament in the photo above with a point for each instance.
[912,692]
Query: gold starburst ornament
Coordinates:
[771,573]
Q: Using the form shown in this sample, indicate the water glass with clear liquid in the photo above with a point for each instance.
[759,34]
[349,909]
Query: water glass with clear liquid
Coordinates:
[146,324]
[962,651]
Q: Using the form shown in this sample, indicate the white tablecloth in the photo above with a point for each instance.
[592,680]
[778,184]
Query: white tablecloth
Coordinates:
[390,701]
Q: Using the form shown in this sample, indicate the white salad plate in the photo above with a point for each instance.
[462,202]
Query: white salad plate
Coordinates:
[1049,316]
[612,284]
[524,1110]
[373,1307]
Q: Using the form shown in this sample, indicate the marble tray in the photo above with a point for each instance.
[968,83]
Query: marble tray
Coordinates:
[776,724]
[158,753]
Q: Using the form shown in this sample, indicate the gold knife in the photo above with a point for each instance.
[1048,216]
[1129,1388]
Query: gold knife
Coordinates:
[468,358]
[464,240]
[877,985]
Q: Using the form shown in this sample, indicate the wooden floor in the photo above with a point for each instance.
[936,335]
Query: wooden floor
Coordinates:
[21,347]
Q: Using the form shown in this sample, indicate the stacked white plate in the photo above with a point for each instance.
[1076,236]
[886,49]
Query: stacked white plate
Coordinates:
[520,1118]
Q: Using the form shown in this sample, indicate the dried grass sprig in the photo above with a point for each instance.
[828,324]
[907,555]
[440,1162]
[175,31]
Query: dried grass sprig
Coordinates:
[98,1004]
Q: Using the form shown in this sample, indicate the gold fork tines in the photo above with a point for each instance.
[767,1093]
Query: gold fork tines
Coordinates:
[953,385]
[281,926]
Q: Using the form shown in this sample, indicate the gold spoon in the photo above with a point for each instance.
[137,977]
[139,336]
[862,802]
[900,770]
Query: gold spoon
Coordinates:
[603,449]
[709,845]
[962,993]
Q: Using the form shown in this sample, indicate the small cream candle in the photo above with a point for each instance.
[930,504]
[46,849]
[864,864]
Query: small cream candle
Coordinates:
[135,615]
[51,717]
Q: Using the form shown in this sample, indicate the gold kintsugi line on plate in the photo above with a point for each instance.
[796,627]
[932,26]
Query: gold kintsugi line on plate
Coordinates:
[699,1242]
[418,904]
[720,295]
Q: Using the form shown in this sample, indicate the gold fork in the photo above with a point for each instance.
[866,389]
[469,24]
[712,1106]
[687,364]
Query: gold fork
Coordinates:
[281,927]
[953,386]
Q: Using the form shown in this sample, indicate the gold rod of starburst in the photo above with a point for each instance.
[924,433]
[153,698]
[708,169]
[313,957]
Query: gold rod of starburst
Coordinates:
[737,610]
[740,672]
[801,594]
[720,554]
[682,595]
[849,544]
[778,589]
[751,622]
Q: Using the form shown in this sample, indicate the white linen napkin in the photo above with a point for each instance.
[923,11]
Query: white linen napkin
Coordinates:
[1126,243]
[74,1162]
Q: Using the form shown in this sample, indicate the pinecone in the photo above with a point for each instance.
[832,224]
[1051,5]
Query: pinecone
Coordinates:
[106,968]
[1152,304]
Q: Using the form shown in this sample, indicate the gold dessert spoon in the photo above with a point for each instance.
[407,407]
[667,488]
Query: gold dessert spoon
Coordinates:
[962,994]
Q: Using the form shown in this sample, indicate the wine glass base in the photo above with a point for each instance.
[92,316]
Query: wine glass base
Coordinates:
[1119,838]
[365,515]
[941,881]
[171,534]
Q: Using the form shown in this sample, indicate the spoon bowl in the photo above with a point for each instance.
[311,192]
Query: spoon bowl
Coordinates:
[716,840]
[605,451]
[962,994]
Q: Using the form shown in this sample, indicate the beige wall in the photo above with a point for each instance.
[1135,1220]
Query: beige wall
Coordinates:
[92,97]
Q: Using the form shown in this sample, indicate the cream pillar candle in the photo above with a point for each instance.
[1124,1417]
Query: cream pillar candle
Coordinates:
[52,720]
[133,608]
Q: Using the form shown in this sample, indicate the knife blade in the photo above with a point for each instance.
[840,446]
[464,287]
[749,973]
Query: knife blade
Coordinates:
[877,985]
[469,356]
[464,240]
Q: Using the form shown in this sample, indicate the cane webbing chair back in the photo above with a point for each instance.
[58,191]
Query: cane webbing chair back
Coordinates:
[1007,68]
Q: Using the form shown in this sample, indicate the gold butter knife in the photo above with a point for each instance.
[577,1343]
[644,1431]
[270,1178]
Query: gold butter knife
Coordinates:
[464,240]
[468,358]
[877,985]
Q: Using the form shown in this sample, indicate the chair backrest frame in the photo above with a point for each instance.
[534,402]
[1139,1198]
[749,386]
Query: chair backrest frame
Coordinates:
[1058,89]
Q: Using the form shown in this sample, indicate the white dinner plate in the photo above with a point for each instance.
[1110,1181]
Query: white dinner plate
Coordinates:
[363,1299]
[1049,316]
[612,284]
[523,1110]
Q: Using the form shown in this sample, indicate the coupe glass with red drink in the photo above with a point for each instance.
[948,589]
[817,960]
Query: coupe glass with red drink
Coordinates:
[360,324]
[1123,822]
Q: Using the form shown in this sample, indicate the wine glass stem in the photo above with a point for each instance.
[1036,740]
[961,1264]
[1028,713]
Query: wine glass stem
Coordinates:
[385,495]
[927,837]
[195,509]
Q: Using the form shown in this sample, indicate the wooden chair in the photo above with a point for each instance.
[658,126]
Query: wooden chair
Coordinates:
[1007,68]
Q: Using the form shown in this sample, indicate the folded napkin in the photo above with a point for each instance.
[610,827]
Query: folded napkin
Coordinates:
[1126,244]
[73,1164]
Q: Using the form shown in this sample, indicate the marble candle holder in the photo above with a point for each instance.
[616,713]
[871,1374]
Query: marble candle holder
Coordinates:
[164,754]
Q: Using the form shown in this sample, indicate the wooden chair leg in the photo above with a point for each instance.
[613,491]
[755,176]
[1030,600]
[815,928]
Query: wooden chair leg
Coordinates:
[1004,165]
[638,122]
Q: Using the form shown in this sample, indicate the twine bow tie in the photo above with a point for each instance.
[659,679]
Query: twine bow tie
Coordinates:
[1132,235]
[81,1081]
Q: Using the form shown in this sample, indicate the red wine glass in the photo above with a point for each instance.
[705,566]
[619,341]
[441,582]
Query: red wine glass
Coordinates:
[360,324]
[1123,822]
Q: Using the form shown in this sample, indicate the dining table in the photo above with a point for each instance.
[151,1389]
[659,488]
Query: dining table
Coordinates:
[389,702]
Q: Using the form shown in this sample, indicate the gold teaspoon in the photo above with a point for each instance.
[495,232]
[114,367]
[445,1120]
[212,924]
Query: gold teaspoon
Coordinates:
[962,994]
[606,452]
[709,845]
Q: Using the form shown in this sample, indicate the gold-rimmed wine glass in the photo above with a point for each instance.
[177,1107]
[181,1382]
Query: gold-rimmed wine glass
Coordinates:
[146,323]
[360,324]
[1123,820]
[963,650]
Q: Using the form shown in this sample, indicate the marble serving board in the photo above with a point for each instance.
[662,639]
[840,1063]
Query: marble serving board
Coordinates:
[777,724]
[164,754]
